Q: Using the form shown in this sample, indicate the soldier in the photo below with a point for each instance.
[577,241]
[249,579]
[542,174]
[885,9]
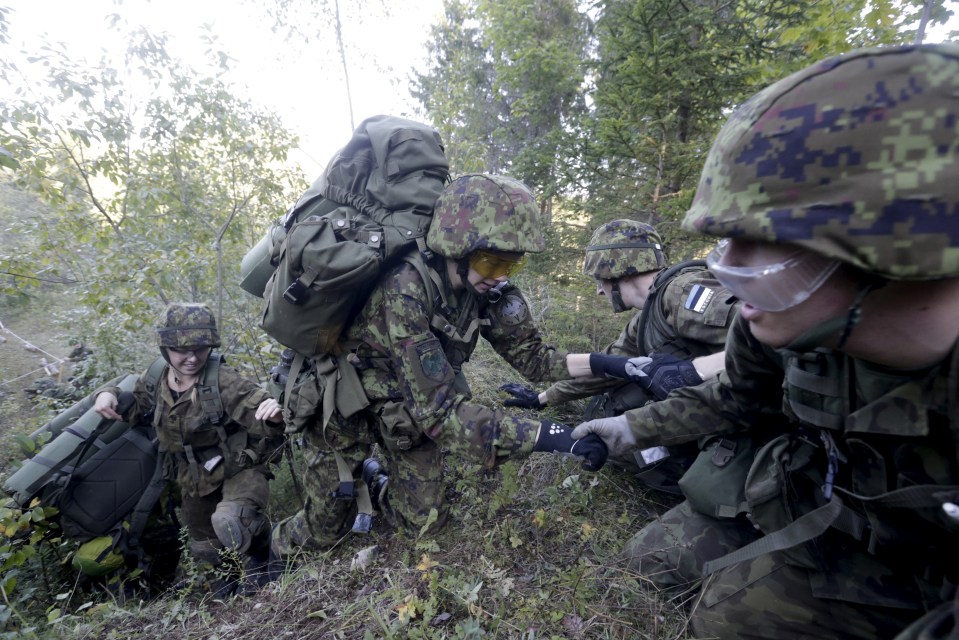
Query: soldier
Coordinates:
[419,326]
[836,188]
[683,318]
[216,454]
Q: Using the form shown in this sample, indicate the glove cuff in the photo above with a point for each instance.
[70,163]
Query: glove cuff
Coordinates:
[553,437]
[601,364]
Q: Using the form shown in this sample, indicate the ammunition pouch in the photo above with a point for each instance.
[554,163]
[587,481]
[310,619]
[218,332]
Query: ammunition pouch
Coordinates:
[397,427]
[715,482]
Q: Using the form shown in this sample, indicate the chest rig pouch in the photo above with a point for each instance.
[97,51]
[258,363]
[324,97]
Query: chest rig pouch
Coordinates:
[830,485]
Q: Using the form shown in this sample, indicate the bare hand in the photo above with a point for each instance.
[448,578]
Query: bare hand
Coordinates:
[106,406]
[269,410]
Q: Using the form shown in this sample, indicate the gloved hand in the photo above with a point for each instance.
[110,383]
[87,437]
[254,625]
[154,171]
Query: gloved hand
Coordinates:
[614,432]
[522,396]
[659,374]
[554,437]
[665,373]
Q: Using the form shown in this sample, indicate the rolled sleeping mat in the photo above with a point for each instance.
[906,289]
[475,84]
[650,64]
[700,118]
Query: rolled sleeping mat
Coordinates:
[63,452]
[69,416]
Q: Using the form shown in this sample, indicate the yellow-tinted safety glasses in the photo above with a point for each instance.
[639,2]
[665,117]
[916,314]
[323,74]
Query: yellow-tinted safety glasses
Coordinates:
[496,265]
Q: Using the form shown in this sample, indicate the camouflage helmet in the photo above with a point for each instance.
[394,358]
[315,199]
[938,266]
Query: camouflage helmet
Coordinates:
[623,248]
[185,324]
[854,158]
[482,211]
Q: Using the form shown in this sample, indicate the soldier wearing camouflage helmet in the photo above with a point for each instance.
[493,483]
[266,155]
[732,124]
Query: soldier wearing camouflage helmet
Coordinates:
[217,441]
[408,345]
[835,191]
[679,329]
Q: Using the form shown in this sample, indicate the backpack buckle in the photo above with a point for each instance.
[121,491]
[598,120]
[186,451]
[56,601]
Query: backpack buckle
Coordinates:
[724,452]
[296,293]
[344,492]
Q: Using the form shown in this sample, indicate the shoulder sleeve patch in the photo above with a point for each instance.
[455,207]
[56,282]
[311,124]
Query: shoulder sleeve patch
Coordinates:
[511,310]
[699,298]
[432,360]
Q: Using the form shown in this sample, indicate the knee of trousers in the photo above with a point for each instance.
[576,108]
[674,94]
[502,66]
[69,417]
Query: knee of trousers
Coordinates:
[236,525]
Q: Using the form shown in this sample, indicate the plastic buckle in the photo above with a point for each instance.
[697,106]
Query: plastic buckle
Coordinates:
[363,523]
[724,452]
[296,293]
[344,492]
[404,443]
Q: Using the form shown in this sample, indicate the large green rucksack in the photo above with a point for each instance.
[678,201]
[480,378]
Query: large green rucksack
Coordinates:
[371,205]
[370,208]
[104,477]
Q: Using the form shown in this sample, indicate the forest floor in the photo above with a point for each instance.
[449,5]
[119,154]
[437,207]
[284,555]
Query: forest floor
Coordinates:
[530,551]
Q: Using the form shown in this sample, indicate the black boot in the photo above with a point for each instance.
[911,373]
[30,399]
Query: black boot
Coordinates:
[374,475]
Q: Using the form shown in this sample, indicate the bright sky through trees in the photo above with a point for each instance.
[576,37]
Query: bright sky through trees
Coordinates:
[300,81]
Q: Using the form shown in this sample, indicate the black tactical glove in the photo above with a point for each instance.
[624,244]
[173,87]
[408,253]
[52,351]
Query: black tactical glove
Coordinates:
[659,374]
[666,373]
[554,437]
[522,396]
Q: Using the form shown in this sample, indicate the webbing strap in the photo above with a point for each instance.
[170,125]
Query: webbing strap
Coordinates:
[348,489]
[836,515]
[191,460]
[141,512]
[806,527]
[208,390]
[151,379]
[291,377]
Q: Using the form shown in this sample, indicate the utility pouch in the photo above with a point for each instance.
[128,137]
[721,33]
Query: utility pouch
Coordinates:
[399,431]
[783,484]
[326,268]
[303,398]
[715,482]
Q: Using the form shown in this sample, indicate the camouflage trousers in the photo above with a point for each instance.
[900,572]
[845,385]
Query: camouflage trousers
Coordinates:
[760,598]
[248,488]
[416,484]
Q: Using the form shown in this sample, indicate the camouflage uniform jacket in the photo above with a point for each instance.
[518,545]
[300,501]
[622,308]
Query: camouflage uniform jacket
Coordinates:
[184,429]
[688,316]
[407,358]
[889,431]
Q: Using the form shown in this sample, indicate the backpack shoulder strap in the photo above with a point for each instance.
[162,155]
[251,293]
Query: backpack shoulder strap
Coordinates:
[661,281]
[431,279]
[208,391]
[151,379]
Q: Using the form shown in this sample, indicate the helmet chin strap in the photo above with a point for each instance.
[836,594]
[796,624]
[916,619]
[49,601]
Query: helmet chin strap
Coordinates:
[463,271]
[818,334]
[616,298]
[165,352]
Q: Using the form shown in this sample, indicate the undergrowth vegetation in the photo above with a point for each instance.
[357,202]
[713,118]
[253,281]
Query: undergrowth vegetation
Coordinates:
[529,552]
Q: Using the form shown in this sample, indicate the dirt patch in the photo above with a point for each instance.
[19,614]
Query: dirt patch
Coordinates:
[31,354]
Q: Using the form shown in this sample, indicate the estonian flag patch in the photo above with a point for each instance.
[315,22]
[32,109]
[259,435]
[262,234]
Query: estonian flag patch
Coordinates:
[699,298]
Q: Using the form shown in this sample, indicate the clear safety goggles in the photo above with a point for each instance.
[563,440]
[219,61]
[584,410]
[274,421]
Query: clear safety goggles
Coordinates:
[495,265]
[772,287]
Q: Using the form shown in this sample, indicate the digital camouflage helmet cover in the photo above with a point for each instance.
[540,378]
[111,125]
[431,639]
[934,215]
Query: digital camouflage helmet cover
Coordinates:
[855,158]
[482,211]
[623,248]
[183,325]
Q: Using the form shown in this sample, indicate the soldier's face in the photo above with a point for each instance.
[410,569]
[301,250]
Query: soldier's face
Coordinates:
[633,289]
[819,300]
[188,361]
